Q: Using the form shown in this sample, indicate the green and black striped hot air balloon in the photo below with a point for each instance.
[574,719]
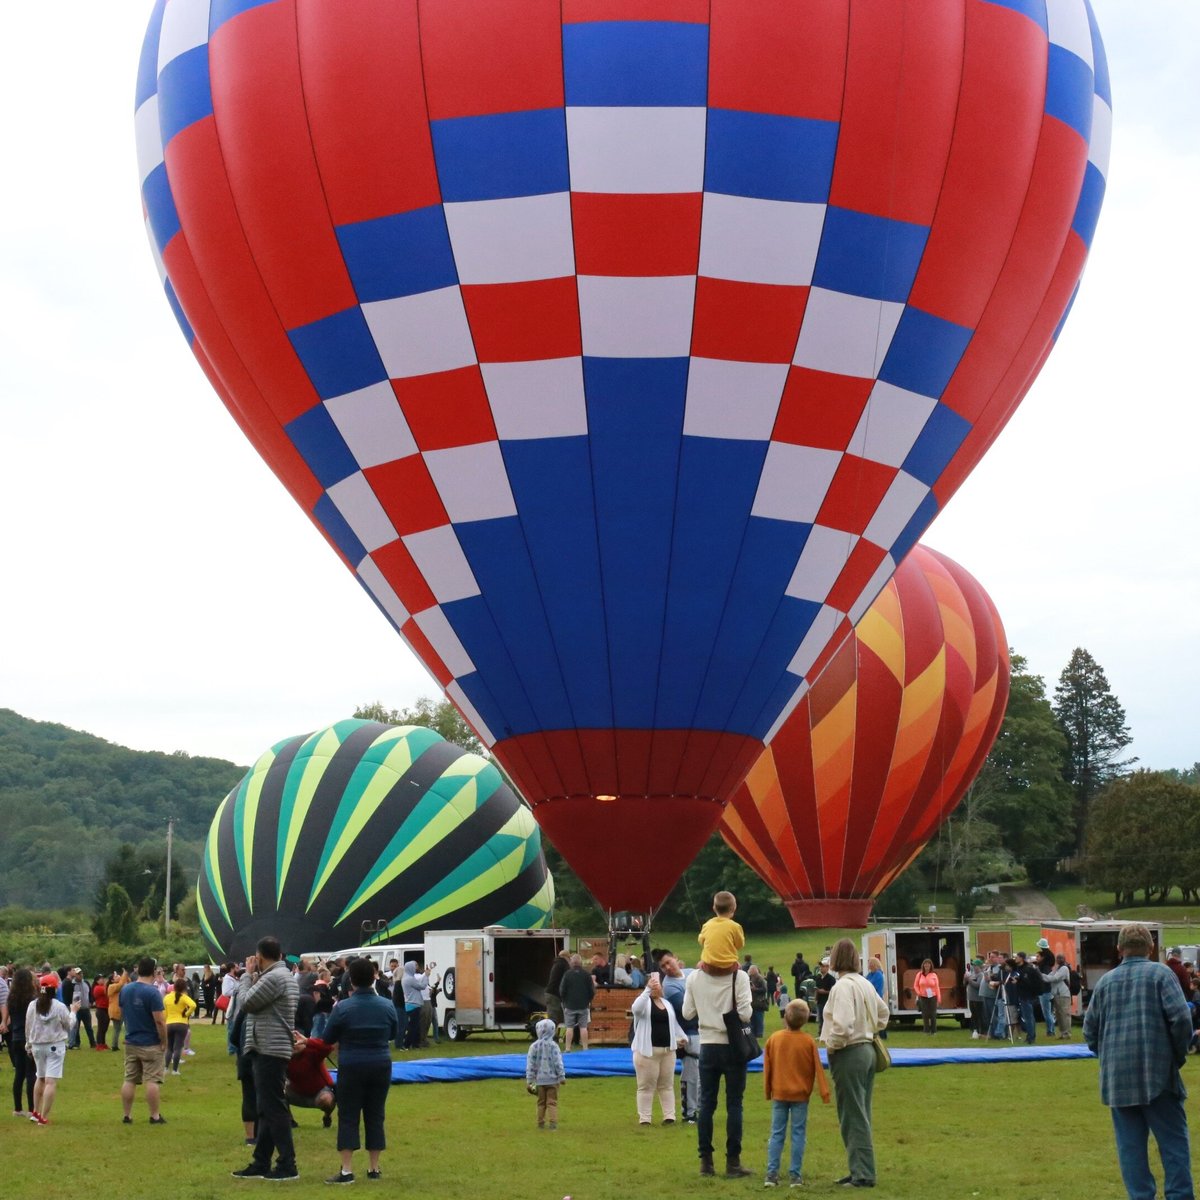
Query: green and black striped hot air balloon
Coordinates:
[365,822]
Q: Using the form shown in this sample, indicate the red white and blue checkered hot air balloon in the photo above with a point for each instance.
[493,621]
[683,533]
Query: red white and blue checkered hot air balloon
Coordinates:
[622,347]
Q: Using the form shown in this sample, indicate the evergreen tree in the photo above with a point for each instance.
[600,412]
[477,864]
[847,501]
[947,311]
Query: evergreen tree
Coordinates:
[117,921]
[1094,722]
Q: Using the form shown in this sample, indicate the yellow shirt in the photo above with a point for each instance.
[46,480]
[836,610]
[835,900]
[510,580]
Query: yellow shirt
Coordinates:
[178,1008]
[721,938]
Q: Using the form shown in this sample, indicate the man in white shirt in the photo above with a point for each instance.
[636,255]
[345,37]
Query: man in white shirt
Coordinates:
[708,998]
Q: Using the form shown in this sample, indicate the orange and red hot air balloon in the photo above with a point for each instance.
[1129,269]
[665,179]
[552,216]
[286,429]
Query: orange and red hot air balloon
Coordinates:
[881,749]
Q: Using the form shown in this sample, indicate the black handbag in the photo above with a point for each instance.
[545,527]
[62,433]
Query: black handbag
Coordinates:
[742,1041]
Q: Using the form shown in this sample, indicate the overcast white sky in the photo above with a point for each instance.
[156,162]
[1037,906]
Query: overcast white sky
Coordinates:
[160,589]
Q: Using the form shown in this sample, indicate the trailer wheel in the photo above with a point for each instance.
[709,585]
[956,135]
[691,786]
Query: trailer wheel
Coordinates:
[448,984]
[908,1022]
[454,1031]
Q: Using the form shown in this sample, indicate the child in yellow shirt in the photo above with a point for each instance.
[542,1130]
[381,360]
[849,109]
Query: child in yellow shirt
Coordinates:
[722,937]
[791,1068]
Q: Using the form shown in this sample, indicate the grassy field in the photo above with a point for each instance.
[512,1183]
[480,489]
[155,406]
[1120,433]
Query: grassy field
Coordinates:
[1017,1131]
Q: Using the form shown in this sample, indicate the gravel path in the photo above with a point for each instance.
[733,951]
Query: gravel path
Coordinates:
[1028,904]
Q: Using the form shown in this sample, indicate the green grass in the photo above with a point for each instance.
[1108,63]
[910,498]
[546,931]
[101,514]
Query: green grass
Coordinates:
[965,1131]
[1068,900]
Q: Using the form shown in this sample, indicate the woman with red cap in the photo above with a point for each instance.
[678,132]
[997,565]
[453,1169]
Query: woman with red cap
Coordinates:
[47,1028]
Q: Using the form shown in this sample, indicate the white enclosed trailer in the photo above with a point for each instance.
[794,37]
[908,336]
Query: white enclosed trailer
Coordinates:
[902,950]
[493,979]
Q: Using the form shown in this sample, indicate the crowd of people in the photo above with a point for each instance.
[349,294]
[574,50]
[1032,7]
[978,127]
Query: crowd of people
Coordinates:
[680,1014]
[286,1018]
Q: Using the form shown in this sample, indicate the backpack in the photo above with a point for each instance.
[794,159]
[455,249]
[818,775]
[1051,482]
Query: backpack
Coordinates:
[1074,982]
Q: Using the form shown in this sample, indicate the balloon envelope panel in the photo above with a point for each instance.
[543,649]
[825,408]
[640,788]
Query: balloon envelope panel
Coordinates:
[368,822]
[881,749]
[622,350]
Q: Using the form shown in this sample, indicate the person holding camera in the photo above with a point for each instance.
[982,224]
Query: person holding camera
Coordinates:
[1028,980]
[267,995]
[656,1037]
[362,1027]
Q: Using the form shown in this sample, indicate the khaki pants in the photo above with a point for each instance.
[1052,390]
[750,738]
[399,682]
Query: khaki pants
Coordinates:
[547,1104]
[1062,1017]
[853,1071]
[655,1077]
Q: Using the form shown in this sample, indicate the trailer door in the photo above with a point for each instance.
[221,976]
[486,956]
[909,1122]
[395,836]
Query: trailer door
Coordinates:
[890,974]
[468,981]
[875,946]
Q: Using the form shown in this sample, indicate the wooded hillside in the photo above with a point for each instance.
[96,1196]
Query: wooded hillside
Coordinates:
[69,799]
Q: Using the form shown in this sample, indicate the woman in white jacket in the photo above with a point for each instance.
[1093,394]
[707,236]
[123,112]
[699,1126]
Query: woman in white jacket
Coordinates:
[854,1013]
[656,1034]
[47,1028]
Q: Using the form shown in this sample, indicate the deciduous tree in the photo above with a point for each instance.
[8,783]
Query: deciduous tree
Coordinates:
[439,715]
[1142,836]
[1018,808]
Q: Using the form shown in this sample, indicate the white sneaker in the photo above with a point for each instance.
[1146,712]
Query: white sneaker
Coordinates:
[190,1053]
[174,1072]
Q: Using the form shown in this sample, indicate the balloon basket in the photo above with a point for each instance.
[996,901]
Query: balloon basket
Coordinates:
[627,927]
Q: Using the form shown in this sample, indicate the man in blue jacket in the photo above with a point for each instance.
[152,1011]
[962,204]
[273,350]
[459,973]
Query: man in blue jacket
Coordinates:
[1139,1025]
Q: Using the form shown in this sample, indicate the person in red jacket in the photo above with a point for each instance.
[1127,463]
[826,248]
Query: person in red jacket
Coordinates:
[309,1084]
[100,1004]
[791,1068]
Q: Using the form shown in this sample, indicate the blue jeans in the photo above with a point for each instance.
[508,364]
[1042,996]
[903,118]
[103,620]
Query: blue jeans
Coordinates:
[1166,1118]
[1025,1005]
[320,1020]
[781,1110]
[989,1010]
[1047,1003]
[757,1021]
[718,1062]
[1000,1023]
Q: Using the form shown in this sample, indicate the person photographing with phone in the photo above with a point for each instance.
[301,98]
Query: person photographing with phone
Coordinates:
[656,1036]
[267,996]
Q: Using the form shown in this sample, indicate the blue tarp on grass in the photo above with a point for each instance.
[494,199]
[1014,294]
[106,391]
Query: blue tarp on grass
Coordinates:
[613,1061]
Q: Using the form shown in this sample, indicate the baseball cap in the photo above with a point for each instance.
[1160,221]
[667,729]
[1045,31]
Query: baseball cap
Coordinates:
[49,981]
[977,962]
[1175,952]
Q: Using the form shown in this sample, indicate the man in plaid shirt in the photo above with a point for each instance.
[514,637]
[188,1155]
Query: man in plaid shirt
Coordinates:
[1139,1024]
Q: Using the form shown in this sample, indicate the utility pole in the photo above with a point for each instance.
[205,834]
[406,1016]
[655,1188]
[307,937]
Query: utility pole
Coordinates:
[167,907]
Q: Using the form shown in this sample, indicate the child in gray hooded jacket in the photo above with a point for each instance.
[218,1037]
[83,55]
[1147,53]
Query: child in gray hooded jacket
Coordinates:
[545,1074]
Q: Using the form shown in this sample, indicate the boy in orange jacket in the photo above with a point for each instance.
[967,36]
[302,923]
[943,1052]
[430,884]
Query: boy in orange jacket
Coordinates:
[791,1066]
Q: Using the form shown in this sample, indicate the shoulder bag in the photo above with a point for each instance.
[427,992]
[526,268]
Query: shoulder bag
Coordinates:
[883,1056]
[742,1041]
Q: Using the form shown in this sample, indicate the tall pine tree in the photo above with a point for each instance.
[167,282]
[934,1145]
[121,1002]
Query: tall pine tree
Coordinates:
[1094,722]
